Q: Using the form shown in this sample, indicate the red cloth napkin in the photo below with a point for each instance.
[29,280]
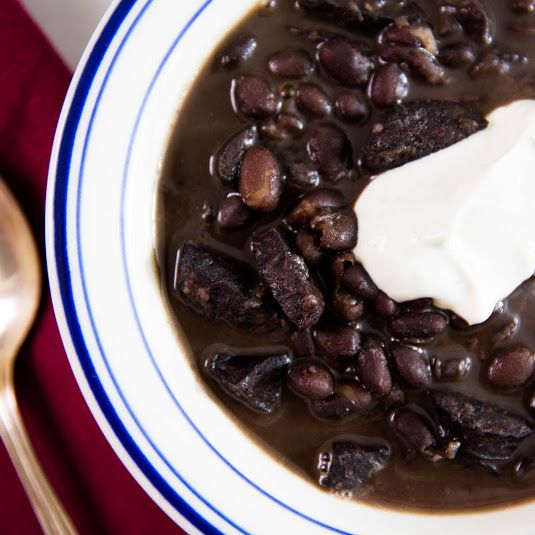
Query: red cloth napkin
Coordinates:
[98,492]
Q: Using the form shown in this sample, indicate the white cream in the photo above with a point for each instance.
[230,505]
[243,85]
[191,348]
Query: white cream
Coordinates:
[459,224]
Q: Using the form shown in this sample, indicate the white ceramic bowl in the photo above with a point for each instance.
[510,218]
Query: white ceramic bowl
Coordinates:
[177,442]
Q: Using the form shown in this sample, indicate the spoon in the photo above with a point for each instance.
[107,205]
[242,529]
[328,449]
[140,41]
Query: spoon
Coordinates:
[20,289]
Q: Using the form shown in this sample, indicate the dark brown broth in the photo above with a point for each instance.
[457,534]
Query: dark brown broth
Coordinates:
[206,120]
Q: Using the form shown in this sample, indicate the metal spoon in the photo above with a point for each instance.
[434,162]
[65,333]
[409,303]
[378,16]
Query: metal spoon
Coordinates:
[20,289]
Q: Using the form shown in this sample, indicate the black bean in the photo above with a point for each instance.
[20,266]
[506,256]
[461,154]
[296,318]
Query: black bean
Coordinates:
[311,203]
[482,449]
[523,27]
[471,15]
[422,63]
[523,6]
[351,106]
[479,416]
[447,24]
[357,395]
[302,176]
[260,180]
[371,15]
[347,400]
[411,131]
[423,303]
[385,306]
[313,100]
[330,149]
[311,379]
[339,263]
[457,55]
[411,365]
[419,324]
[511,368]
[347,306]
[486,431]
[531,402]
[238,51]
[288,278]
[451,370]
[283,127]
[495,63]
[302,344]
[416,34]
[347,465]
[230,157]
[222,290]
[233,213]
[307,244]
[394,398]
[504,334]
[418,434]
[414,431]
[293,63]
[337,228]
[345,62]
[253,377]
[373,368]
[389,85]
[356,279]
[337,343]
[253,96]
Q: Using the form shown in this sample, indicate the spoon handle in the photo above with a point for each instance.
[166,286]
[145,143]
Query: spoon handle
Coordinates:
[46,505]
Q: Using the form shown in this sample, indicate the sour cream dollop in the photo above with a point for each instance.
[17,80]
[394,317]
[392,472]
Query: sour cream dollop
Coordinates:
[457,225]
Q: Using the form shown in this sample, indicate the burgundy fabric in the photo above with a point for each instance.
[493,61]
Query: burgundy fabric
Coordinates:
[98,492]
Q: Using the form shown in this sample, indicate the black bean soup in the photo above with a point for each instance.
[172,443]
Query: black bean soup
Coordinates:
[398,404]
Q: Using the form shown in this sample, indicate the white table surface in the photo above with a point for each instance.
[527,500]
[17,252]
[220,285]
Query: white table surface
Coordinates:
[67,23]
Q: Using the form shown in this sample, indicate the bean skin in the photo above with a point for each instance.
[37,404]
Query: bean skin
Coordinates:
[311,379]
[292,63]
[313,101]
[238,51]
[337,228]
[419,324]
[511,368]
[411,365]
[311,203]
[329,147]
[357,281]
[254,97]
[373,368]
[260,180]
[233,213]
[351,106]
[389,85]
[345,62]
[338,343]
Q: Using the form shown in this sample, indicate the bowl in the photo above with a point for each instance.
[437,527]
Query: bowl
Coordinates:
[132,367]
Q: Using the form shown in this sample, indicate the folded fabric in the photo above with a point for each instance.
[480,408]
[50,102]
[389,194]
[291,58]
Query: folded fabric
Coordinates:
[98,492]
